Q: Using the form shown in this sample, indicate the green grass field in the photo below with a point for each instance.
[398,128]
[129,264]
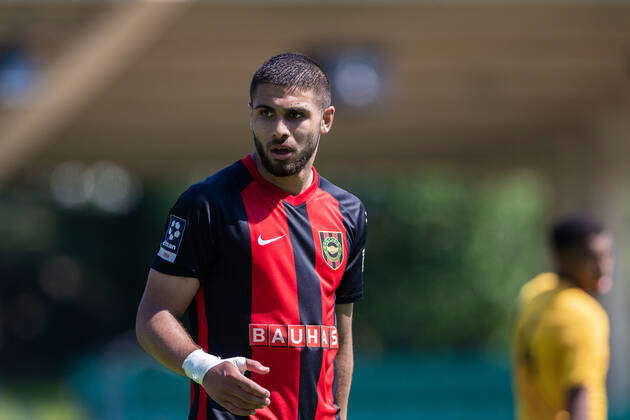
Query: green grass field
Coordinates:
[46,401]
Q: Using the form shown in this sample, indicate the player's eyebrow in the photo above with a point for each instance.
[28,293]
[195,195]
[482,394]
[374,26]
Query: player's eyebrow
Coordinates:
[300,109]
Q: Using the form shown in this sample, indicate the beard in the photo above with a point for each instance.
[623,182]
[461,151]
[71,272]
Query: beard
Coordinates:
[290,166]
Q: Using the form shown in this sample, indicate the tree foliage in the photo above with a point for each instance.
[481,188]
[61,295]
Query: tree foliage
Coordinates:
[445,259]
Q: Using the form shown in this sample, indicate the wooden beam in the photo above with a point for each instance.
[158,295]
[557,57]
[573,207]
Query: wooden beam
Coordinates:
[81,73]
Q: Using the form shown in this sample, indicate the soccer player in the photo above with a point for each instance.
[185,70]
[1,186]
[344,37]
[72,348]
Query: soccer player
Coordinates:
[561,349]
[267,258]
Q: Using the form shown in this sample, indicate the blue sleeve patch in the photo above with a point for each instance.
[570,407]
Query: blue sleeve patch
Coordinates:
[172,238]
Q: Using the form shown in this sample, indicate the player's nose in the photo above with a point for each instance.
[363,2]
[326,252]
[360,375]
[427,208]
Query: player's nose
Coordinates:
[280,130]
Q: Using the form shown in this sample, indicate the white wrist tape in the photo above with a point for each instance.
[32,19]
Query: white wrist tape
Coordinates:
[198,363]
[239,362]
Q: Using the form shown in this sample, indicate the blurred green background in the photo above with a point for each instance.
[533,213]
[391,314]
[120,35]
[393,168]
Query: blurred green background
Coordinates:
[446,256]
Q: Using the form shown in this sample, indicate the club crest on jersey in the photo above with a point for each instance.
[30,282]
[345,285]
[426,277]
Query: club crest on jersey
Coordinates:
[332,248]
[172,238]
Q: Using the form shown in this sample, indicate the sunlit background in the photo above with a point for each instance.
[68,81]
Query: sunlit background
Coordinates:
[464,127]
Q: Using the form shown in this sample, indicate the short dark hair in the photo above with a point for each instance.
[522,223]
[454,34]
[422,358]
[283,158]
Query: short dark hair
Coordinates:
[572,233]
[293,70]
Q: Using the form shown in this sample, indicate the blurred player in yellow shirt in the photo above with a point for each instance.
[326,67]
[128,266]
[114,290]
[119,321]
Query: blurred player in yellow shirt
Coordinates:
[560,349]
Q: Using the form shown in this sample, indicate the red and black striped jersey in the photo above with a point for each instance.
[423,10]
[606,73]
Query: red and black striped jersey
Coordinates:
[271,268]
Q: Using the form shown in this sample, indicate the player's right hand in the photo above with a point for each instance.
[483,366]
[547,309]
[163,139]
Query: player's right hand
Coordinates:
[226,385]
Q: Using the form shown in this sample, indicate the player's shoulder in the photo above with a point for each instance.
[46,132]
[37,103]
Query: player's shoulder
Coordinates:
[347,200]
[575,305]
[540,284]
[576,319]
[216,187]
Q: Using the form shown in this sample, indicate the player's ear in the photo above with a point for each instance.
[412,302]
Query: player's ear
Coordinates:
[327,119]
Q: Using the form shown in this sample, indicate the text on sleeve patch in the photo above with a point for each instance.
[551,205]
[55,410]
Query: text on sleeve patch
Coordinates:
[172,238]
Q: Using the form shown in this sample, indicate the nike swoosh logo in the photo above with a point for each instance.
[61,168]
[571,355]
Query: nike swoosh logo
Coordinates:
[264,242]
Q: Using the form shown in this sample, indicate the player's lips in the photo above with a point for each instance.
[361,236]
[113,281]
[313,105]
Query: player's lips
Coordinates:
[281,153]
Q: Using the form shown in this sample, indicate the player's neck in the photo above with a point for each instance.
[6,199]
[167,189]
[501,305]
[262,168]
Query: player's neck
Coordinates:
[568,278]
[294,184]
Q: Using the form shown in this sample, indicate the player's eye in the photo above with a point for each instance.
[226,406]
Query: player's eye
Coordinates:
[295,115]
[265,113]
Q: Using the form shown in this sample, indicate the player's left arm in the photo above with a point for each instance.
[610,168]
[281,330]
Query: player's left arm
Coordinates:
[577,403]
[344,363]
[584,347]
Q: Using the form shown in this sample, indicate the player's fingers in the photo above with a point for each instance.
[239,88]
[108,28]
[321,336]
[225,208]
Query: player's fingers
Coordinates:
[256,367]
[234,409]
[252,387]
[250,400]
[246,404]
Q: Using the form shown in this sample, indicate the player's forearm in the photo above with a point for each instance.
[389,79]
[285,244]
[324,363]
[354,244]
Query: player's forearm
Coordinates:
[577,403]
[164,338]
[344,365]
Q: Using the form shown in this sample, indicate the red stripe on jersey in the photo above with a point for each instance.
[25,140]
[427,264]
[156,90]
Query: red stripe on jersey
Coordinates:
[325,216]
[192,392]
[274,299]
[202,340]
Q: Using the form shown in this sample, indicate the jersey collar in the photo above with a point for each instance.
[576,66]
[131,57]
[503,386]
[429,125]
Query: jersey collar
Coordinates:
[278,193]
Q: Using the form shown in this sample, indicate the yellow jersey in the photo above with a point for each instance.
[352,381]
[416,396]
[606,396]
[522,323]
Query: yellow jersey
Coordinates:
[560,342]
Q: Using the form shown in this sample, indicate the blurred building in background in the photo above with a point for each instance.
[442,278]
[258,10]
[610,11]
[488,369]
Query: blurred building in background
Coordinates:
[464,127]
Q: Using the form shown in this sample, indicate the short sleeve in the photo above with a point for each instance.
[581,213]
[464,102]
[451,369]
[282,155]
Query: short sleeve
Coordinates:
[351,287]
[584,347]
[184,242]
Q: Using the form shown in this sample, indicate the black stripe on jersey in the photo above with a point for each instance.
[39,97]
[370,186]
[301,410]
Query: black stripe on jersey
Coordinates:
[230,236]
[221,414]
[349,206]
[310,305]
[193,328]
[227,328]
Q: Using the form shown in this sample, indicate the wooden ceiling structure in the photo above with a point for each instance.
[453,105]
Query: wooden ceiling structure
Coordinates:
[483,86]
[472,83]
